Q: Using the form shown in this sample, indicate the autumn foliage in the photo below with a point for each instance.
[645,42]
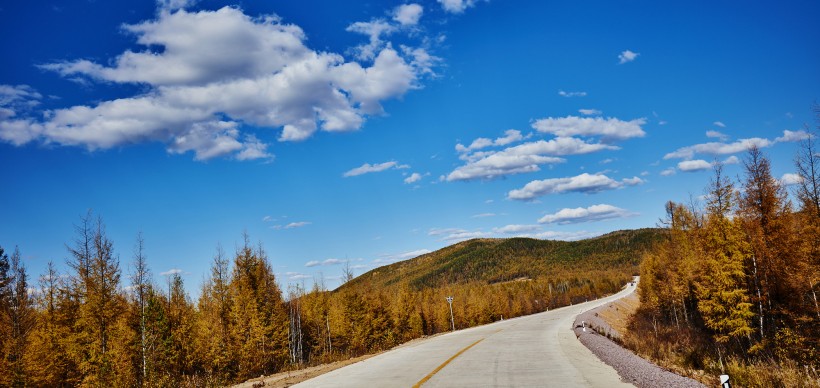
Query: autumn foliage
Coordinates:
[734,286]
[105,324]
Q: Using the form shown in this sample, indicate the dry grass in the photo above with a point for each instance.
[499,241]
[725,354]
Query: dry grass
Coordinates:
[618,313]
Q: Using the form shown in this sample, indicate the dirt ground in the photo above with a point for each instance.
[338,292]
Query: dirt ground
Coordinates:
[286,379]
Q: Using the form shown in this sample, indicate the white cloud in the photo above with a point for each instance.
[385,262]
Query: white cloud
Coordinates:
[510,136]
[207,74]
[792,136]
[607,129]
[694,165]
[13,94]
[374,30]
[456,6]
[414,177]
[292,225]
[483,215]
[718,148]
[634,181]
[789,179]
[719,124]
[172,271]
[571,94]
[584,183]
[717,135]
[590,112]
[731,160]
[627,56]
[370,168]
[526,157]
[516,229]
[598,212]
[297,276]
[668,172]
[408,14]
[565,236]
[333,261]
[315,263]
[172,5]
[389,259]
[455,234]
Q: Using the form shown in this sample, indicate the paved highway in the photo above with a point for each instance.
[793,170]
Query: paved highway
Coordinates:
[538,350]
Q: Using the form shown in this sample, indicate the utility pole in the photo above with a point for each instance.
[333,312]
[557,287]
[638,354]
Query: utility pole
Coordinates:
[452,321]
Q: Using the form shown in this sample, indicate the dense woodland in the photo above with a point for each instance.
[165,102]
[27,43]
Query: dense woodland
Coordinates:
[102,323]
[734,288]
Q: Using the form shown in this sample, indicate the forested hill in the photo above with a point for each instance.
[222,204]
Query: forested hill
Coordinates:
[499,260]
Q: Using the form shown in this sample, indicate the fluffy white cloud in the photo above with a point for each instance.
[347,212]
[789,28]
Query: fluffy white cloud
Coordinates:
[456,6]
[584,183]
[791,136]
[414,177]
[374,30]
[510,136]
[694,165]
[741,145]
[718,148]
[731,160]
[213,72]
[369,168]
[313,263]
[13,94]
[571,94]
[719,124]
[717,135]
[172,271]
[627,56]
[790,179]
[578,215]
[408,14]
[522,158]
[590,112]
[668,172]
[607,129]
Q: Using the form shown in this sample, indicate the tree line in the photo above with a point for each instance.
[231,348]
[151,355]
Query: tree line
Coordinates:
[735,285]
[99,324]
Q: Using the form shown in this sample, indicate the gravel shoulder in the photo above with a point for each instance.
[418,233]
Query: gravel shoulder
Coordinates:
[630,367]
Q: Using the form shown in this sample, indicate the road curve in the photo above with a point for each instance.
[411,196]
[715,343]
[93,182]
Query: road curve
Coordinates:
[538,350]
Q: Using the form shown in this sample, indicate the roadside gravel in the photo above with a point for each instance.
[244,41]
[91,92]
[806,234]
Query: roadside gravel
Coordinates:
[630,367]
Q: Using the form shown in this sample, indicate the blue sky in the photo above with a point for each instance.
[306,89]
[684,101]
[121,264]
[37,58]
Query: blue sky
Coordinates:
[371,132]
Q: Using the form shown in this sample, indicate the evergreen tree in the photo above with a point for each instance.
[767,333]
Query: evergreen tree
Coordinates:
[18,317]
[96,290]
[723,300]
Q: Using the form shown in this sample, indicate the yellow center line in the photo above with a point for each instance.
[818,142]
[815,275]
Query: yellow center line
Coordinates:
[428,377]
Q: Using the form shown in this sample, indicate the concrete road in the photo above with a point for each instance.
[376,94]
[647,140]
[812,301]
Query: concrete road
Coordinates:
[539,350]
